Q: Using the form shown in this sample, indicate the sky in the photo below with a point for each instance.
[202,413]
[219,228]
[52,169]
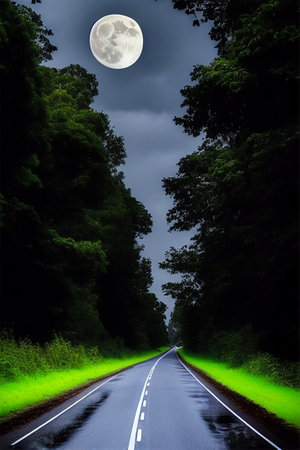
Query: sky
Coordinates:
[140,100]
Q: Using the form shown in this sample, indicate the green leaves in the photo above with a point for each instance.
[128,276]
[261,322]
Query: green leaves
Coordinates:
[214,104]
[45,47]
[72,264]
[238,192]
[86,254]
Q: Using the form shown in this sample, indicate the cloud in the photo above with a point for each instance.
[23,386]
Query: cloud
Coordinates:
[154,146]
[148,131]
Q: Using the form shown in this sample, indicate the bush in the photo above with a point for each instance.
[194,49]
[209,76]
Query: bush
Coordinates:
[24,358]
[114,348]
[235,347]
[61,354]
[281,372]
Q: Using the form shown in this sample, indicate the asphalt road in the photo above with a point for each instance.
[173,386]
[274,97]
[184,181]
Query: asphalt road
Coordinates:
[156,405]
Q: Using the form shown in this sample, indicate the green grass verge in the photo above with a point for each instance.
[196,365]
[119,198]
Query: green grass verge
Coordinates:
[32,389]
[280,400]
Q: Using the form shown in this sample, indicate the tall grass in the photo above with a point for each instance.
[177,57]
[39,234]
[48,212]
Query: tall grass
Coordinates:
[31,373]
[25,358]
[278,399]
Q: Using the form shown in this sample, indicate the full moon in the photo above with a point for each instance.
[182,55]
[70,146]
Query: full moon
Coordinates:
[116,41]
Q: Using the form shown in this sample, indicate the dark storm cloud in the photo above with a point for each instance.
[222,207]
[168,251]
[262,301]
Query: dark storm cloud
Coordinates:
[154,145]
[155,131]
[140,100]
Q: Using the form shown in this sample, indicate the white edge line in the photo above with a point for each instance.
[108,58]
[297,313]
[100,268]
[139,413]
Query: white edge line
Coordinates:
[227,407]
[131,444]
[62,412]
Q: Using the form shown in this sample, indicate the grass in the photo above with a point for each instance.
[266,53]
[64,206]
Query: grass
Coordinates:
[31,374]
[280,400]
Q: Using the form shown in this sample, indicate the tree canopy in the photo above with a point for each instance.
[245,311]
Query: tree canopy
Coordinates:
[71,262]
[238,191]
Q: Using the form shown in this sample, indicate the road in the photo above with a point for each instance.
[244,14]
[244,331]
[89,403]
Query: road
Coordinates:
[156,405]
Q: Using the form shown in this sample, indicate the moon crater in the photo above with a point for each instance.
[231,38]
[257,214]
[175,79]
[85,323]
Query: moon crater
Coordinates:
[116,41]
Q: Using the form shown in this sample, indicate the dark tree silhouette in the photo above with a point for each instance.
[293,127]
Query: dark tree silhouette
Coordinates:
[239,190]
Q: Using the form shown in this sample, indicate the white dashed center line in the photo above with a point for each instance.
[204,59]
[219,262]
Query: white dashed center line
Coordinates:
[136,434]
[139,435]
[142,416]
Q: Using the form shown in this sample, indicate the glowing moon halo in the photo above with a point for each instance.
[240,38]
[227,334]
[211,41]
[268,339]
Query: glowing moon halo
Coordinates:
[116,41]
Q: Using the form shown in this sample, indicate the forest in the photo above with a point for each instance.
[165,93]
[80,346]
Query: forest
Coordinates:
[238,191]
[71,259]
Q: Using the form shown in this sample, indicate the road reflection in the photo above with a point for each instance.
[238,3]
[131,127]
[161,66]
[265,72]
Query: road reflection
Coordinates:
[60,437]
[230,432]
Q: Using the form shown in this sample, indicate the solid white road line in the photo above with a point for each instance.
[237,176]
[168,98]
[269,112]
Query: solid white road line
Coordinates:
[62,412]
[227,407]
[133,433]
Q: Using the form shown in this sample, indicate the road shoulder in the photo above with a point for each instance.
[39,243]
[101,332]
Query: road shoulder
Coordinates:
[268,424]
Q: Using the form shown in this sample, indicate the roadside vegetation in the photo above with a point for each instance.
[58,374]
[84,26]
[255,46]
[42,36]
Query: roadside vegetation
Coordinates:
[264,380]
[31,373]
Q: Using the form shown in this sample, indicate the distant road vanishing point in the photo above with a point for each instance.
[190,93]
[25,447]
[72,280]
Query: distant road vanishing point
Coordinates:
[159,404]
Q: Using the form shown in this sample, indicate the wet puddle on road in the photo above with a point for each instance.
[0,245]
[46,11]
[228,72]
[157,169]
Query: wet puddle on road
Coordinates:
[230,432]
[115,380]
[59,438]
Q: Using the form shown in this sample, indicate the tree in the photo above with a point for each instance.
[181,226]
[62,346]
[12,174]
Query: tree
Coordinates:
[238,191]
[173,332]
[21,104]
[44,45]
[226,15]
[70,260]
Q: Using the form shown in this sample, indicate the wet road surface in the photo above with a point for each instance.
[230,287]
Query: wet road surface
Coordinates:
[156,405]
